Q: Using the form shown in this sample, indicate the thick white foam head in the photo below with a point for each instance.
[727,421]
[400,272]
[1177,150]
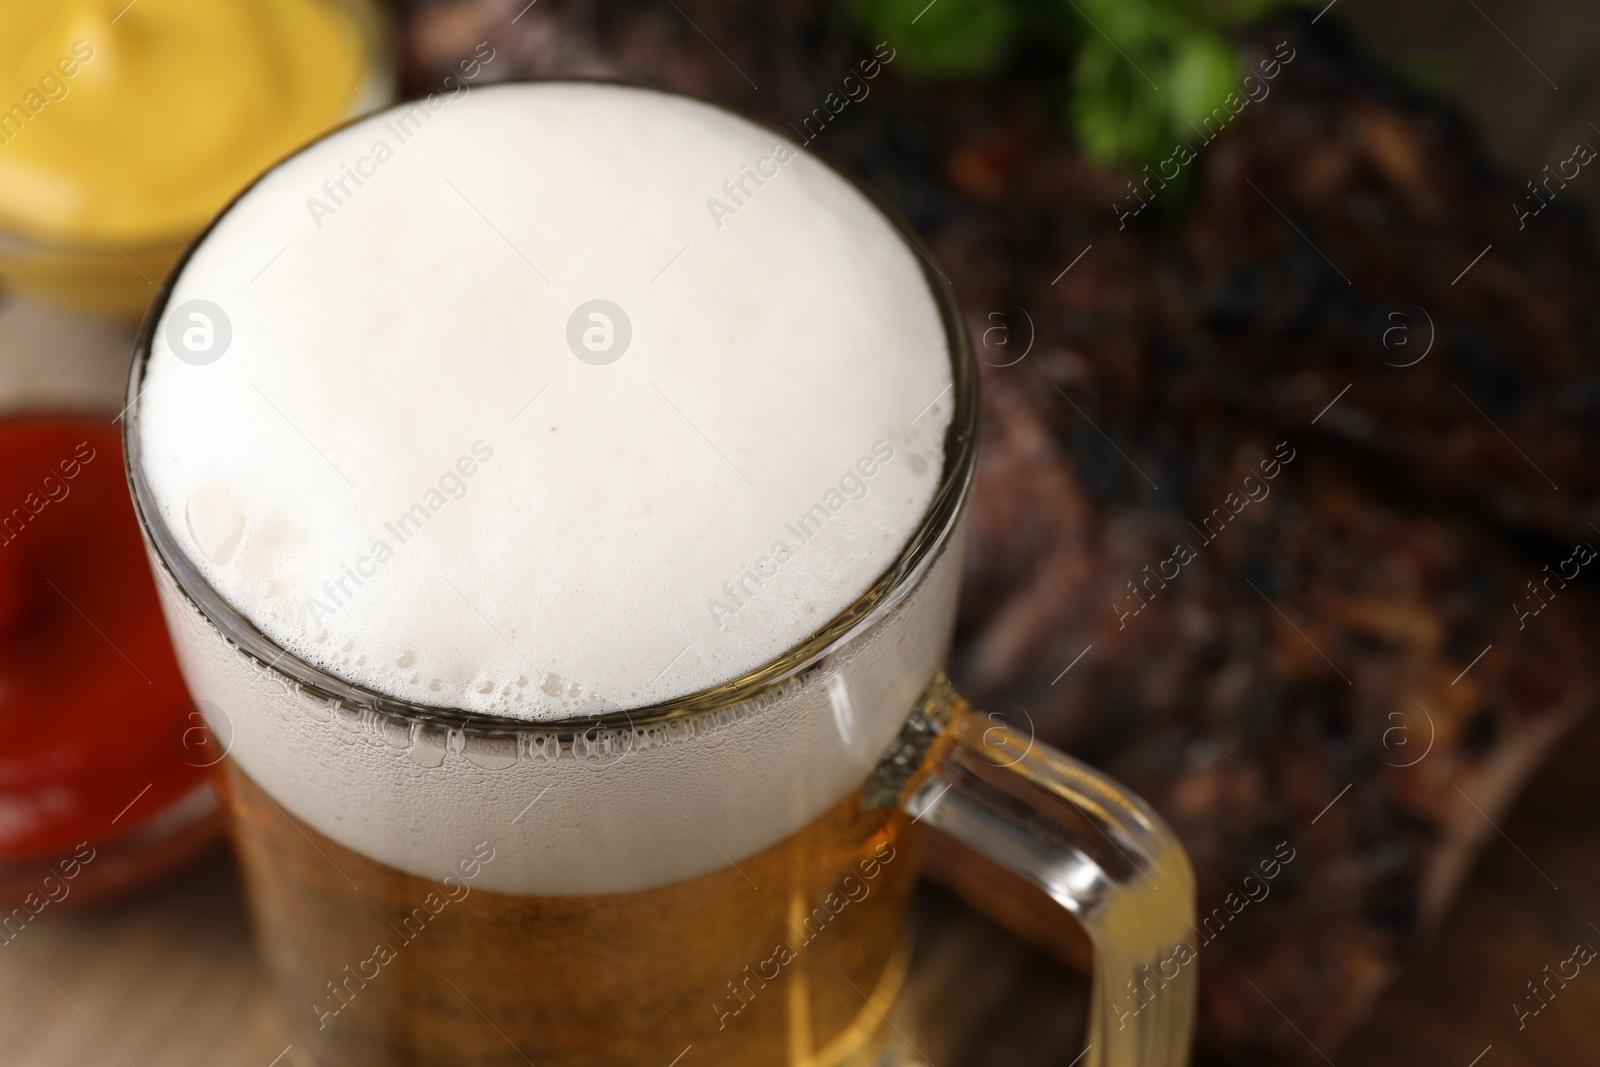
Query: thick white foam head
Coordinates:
[380,419]
[546,400]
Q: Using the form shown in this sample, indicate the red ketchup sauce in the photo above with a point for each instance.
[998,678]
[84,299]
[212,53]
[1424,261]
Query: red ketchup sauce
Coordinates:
[99,742]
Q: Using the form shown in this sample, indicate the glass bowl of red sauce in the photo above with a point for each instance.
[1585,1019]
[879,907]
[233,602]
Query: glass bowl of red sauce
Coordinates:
[103,780]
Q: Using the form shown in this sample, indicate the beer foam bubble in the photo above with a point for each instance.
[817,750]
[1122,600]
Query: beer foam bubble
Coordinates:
[546,400]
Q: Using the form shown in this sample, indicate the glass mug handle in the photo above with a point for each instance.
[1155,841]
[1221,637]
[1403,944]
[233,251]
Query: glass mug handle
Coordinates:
[1095,848]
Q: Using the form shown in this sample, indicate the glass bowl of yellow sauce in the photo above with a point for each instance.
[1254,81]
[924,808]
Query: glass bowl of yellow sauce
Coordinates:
[125,127]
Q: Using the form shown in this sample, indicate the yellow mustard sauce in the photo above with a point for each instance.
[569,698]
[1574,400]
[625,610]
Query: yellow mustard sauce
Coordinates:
[125,127]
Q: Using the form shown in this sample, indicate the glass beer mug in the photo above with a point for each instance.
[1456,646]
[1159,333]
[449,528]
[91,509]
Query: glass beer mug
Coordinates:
[717,877]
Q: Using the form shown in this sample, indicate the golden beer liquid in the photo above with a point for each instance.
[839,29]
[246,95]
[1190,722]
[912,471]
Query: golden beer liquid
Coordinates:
[791,956]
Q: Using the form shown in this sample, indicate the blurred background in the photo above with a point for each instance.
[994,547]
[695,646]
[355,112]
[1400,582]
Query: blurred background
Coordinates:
[1307,289]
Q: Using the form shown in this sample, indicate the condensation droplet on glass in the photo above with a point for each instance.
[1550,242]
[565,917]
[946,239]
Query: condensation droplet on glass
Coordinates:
[407,658]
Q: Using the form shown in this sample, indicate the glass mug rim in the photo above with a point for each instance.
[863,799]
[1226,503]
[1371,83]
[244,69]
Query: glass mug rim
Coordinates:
[931,535]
